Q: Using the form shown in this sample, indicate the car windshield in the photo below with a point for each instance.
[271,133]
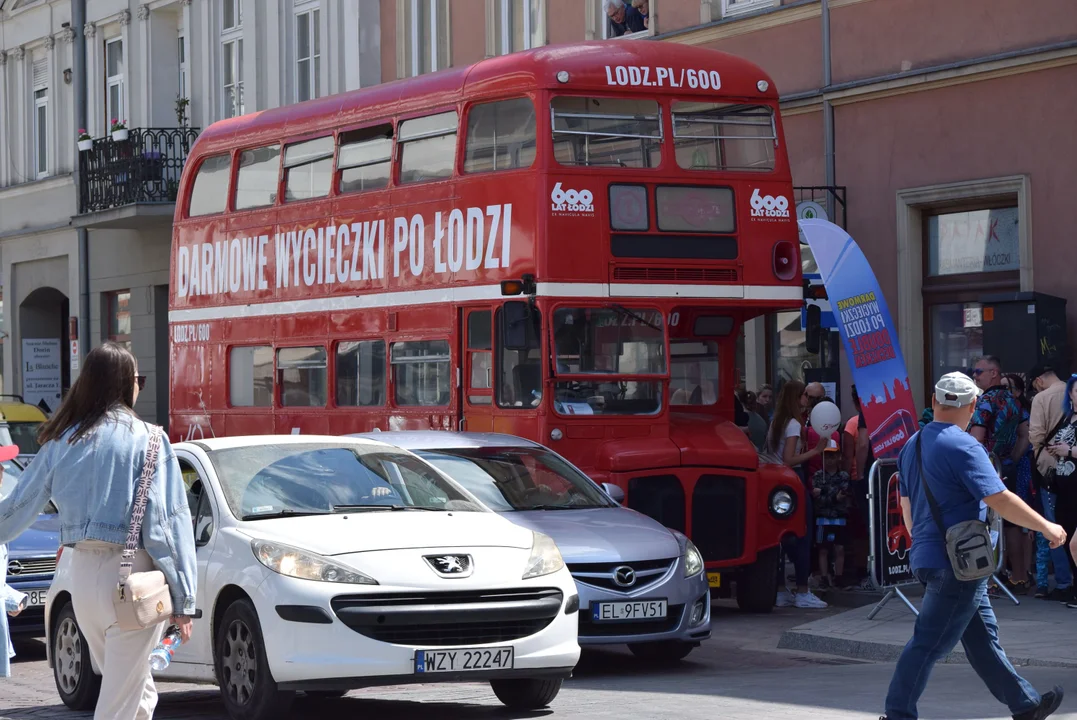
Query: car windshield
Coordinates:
[262,481]
[10,479]
[508,479]
[24,434]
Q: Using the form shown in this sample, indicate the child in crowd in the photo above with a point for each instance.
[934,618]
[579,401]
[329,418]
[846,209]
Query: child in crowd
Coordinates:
[833,495]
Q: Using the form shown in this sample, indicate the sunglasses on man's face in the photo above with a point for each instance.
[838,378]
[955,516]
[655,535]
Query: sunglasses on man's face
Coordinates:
[141,380]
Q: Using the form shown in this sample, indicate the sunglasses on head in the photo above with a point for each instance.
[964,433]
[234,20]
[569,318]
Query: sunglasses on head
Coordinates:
[141,381]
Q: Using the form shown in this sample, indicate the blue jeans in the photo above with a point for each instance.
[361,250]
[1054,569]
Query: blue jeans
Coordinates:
[954,610]
[1063,576]
[799,549]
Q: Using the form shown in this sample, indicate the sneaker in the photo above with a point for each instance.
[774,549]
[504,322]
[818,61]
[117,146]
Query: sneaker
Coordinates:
[1042,592]
[809,601]
[784,599]
[1048,704]
[1061,595]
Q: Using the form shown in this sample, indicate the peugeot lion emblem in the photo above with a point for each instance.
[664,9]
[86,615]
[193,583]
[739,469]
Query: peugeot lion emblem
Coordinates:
[450,566]
[624,576]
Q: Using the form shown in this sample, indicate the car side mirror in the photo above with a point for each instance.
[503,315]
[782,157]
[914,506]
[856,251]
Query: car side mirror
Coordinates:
[614,492]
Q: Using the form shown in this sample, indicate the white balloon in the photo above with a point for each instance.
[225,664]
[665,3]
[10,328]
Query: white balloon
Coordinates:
[825,418]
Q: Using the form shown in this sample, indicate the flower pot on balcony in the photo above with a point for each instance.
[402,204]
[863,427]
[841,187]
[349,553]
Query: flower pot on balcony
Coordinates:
[85,145]
[119,135]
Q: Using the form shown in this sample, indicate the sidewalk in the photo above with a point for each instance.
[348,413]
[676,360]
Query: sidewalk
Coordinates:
[1036,633]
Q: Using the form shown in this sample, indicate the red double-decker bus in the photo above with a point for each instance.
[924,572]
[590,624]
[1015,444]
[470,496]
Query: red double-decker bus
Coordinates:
[560,244]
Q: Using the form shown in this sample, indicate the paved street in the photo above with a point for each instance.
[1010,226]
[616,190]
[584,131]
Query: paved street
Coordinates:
[738,674]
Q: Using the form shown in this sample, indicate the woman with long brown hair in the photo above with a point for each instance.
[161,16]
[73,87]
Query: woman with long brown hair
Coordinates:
[92,455]
[784,441]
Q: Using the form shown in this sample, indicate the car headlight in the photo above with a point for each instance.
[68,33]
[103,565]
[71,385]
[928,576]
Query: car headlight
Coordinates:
[693,559]
[293,562]
[545,557]
[782,502]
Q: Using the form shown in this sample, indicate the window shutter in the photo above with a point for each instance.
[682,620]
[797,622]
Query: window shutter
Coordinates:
[41,73]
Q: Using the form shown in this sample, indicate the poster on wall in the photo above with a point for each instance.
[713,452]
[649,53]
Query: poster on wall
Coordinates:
[868,334]
[41,376]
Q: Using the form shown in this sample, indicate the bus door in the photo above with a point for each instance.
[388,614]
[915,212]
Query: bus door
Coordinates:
[476,396]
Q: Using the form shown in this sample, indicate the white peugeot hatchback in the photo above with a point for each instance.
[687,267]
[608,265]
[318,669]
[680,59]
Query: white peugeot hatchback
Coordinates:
[326,564]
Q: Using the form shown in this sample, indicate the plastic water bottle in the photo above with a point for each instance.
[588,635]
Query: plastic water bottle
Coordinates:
[161,657]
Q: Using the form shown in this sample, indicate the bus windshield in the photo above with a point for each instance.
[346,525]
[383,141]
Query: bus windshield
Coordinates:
[609,341]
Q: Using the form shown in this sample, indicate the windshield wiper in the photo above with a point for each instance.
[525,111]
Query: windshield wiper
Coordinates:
[391,508]
[283,513]
[625,311]
[558,507]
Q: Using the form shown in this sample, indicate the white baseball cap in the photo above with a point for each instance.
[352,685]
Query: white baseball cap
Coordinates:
[956,389]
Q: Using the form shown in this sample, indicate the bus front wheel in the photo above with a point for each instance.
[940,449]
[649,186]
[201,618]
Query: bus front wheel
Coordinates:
[757,585]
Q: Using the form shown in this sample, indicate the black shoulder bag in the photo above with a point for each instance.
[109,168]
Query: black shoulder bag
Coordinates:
[968,543]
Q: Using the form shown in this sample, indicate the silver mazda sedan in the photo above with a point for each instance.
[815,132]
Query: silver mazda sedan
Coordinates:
[640,583]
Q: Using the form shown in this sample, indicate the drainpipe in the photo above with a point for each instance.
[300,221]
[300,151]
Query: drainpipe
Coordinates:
[828,116]
[78,23]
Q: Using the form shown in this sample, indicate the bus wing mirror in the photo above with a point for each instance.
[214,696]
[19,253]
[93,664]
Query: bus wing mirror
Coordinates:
[813,329]
[517,326]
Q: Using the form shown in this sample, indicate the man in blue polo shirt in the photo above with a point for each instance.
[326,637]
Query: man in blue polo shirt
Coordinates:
[964,484]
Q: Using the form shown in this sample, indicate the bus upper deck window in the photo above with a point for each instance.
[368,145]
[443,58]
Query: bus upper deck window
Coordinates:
[428,147]
[364,158]
[210,193]
[607,131]
[723,136]
[308,168]
[256,184]
[500,136]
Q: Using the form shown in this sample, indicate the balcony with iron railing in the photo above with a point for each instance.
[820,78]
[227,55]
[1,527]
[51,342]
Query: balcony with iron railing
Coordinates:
[132,182]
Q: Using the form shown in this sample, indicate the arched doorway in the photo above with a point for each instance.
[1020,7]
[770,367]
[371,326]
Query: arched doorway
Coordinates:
[43,334]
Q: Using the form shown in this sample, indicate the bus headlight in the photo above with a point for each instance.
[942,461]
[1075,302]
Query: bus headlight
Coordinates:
[783,502]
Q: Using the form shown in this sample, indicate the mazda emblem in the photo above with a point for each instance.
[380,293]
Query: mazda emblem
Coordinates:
[624,576]
[450,566]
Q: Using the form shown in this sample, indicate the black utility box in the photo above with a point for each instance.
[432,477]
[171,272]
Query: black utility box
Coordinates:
[1024,329]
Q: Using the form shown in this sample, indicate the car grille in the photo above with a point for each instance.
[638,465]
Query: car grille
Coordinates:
[602,575]
[638,627]
[661,497]
[718,516]
[28,567]
[449,618]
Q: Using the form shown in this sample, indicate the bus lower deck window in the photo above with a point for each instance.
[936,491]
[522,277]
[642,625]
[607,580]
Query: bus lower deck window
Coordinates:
[250,376]
[302,376]
[421,373]
[360,378]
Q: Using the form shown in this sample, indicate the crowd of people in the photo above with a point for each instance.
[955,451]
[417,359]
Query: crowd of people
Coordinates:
[1027,422]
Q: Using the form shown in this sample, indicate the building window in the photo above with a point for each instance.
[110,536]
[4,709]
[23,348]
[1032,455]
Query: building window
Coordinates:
[360,373]
[114,68]
[425,41]
[517,25]
[308,55]
[250,376]
[633,18]
[119,317]
[421,373]
[181,47]
[737,7]
[970,251]
[233,14]
[233,78]
[41,132]
[302,376]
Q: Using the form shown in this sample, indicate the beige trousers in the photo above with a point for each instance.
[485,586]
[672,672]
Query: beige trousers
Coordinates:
[122,656]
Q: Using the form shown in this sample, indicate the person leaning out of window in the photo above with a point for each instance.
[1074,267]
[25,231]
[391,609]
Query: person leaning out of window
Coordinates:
[91,459]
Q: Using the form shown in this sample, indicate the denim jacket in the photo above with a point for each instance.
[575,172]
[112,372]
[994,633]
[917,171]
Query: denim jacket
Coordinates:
[92,484]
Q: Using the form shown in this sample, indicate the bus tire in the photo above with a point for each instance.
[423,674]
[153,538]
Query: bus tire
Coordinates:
[757,585]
